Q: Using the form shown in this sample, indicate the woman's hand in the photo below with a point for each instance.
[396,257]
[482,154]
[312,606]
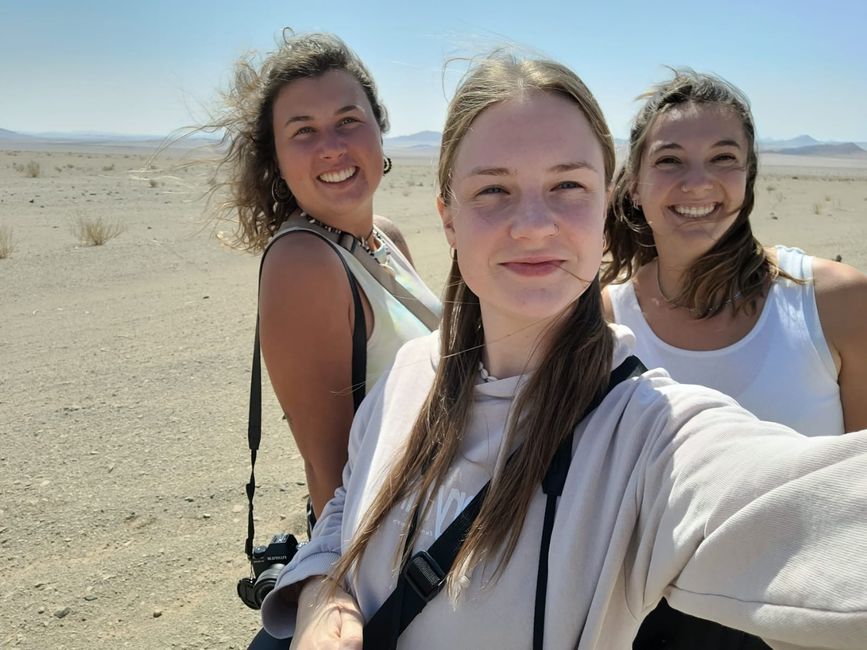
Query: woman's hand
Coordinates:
[326,622]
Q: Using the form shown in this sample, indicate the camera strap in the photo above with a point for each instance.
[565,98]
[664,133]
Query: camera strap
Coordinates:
[423,575]
[359,355]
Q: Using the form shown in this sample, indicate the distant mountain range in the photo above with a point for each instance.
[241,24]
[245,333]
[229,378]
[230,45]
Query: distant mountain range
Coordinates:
[422,144]
[826,150]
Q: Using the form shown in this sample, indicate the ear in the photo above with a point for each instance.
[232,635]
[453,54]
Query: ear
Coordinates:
[446,216]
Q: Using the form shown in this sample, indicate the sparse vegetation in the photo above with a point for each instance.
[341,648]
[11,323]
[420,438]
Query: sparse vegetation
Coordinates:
[31,170]
[108,168]
[153,182]
[95,232]
[771,187]
[817,208]
[7,242]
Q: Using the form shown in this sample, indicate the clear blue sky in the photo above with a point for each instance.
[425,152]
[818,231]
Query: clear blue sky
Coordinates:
[148,67]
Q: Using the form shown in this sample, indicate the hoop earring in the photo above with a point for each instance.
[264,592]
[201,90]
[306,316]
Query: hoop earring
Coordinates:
[386,165]
[280,191]
[453,253]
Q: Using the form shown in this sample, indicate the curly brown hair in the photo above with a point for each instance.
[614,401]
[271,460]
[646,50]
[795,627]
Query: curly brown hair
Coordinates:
[249,162]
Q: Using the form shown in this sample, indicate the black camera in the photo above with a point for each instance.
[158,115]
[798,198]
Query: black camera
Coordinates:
[266,562]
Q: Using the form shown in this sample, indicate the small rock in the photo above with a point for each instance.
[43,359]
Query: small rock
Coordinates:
[838,258]
[158,613]
[90,597]
[63,611]
[206,515]
[41,610]
[189,499]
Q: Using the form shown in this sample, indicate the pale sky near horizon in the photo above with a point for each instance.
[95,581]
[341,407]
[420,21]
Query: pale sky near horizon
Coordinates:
[150,67]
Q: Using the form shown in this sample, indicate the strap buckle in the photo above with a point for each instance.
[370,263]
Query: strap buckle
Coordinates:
[424,575]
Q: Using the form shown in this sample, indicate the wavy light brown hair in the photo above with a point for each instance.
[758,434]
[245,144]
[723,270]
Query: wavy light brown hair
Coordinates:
[250,162]
[575,362]
[736,270]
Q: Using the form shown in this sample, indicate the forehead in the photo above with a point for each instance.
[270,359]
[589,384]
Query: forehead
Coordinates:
[696,124]
[330,91]
[537,123]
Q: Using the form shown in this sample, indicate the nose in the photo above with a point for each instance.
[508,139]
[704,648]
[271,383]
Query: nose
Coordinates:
[332,145]
[533,219]
[696,179]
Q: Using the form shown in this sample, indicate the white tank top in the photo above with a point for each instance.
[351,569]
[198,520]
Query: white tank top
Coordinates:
[393,324]
[782,370]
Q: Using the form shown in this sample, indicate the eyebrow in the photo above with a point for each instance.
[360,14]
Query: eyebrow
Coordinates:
[505,171]
[308,118]
[673,145]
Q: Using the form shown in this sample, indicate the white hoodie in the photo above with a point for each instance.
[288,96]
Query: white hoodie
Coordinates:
[673,491]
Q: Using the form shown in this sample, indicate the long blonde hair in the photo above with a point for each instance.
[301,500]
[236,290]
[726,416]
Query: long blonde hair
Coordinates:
[574,367]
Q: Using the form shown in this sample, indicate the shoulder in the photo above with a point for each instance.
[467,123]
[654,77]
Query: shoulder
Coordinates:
[613,296]
[417,353]
[607,307]
[301,265]
[841,298]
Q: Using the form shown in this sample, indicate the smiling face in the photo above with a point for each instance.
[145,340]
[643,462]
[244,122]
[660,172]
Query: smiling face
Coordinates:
[525,211]
[328,147]
[692,178]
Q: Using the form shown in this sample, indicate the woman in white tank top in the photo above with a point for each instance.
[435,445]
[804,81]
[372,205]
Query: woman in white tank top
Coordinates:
[783,333]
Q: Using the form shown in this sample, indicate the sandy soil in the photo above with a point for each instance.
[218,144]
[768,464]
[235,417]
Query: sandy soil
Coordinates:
[124,372]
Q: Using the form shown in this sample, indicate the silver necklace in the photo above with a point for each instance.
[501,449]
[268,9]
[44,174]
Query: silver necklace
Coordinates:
[691,310]
[380,253]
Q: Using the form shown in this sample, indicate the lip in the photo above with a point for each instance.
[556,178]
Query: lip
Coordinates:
[533,266]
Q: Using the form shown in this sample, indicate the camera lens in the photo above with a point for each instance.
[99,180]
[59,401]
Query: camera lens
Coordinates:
[265,582]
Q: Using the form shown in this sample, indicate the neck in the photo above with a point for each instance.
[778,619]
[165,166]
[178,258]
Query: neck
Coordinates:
[513,348]
[359,224]
[669,279]
[365,236]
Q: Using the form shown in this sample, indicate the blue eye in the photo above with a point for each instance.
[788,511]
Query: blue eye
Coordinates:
[570,185]
[494,189]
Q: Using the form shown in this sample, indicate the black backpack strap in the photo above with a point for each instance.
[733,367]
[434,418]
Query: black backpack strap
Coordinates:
[359,372]
[552,486]
[423,575]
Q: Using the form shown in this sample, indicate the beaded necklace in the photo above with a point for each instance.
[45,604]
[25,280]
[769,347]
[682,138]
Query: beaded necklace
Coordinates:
[485,375]
[380,253]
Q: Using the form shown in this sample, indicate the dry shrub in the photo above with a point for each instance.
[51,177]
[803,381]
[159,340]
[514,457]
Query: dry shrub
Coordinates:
[7,242]
[32,169]
[95,232]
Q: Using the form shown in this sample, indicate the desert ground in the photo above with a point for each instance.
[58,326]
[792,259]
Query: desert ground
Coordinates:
[124,378]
